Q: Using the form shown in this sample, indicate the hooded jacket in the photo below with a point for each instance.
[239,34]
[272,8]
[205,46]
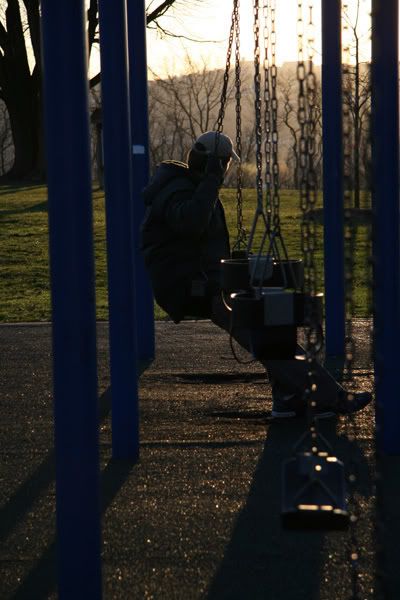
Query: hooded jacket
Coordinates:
[183,234]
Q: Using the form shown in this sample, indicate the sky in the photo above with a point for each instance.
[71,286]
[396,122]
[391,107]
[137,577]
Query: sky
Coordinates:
[209,21]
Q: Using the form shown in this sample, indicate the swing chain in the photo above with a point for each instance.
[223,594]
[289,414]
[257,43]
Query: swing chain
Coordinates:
[224,92]
[308,187]
[274,118]
[271,146]
[311,91]
[241,232]
[301,116]
[349,231]
[267,116]
[257,107]
[234,34]
[308,195]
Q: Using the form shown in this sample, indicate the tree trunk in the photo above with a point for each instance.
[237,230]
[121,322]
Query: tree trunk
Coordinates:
[25,132]
[21,94]
[357,130]
[21,90]
[26,127]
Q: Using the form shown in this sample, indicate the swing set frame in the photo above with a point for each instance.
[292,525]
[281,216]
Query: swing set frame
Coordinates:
[126,151]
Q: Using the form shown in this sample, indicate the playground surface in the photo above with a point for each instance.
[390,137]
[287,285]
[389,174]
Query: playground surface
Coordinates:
[198,515]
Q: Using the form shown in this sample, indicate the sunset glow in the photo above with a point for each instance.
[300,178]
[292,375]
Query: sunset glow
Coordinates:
[210,22]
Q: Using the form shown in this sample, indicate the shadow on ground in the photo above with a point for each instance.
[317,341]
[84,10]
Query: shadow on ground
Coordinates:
[41,581]
[261,559]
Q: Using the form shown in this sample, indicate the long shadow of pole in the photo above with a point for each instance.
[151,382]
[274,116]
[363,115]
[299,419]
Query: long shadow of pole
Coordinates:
[42,579]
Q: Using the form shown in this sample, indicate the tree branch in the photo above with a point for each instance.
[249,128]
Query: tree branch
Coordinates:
[92,16]
[167,33]
[3,36]
[32,10]
[95,80]
[16,47]
[159,11]
[2,78]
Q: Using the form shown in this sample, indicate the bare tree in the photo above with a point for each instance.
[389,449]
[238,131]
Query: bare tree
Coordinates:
[183,107]
[195,97]
[357,96]
[288,118]
[288,122]
[6,143]
[96,141]
[21,74]
[166,128]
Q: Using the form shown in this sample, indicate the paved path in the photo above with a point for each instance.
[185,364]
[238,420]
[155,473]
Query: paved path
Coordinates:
[198,516]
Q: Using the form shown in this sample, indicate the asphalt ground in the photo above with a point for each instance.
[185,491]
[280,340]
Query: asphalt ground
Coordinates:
[199,515]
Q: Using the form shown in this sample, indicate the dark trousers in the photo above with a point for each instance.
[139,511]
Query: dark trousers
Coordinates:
[287,376]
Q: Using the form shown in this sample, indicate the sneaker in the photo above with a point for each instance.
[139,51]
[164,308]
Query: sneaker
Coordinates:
[282,407]
[288,406]
[352,402]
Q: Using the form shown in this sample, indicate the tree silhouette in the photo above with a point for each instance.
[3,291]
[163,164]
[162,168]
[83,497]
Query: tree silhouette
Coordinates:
[21,76]
[357,96]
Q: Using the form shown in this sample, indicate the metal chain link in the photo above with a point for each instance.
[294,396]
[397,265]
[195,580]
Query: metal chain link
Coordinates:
[302,121]
[241,232]
[308,193]
[274,123]
[224,92]
[234,34]
[257,105]
[259,212]
[267,116]
[311,92]
[272,196]
[349,230]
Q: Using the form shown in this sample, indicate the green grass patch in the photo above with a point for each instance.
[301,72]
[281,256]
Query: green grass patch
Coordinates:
[25,293]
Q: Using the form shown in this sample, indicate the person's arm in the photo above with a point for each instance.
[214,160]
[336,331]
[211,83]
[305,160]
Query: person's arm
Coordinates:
[189,212]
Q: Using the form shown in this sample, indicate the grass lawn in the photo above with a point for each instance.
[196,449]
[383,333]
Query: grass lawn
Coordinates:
[24,294]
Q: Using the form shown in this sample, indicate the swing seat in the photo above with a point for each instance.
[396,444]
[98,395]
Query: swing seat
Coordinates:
[265,306]
[239,254]
[260,268]
[287,273]
[242,273]
[276,306]
[313,493]
[268,341]
[235,274]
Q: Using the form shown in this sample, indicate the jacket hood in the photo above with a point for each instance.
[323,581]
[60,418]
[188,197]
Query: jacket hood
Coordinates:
[166,171]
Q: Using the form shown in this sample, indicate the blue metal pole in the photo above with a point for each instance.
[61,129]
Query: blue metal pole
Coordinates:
[66,119]
[333,176]
[120,248]
[386,247]
[140,156]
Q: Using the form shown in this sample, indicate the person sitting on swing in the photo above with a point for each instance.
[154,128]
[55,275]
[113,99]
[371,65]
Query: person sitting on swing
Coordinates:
[183,239]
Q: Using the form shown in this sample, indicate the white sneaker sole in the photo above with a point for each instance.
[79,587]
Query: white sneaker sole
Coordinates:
[291,413]
[283,415]
[325,415]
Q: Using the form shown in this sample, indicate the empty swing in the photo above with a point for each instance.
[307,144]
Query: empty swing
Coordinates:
[313,480]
